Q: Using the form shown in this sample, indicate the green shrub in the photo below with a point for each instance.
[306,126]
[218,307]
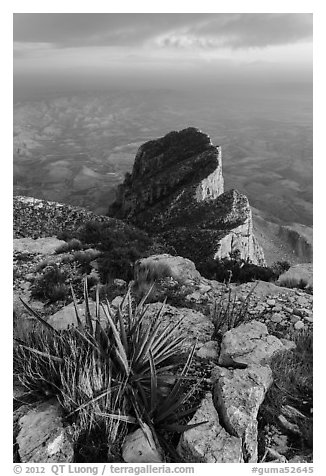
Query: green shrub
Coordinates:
[119,248]
[280,267]
[42,264]
[51,285]
[84,259]
[241,271]
[92,280]
[23,256]
[118,263]
[91,232]
[108,291]
[71,245]
[65,259]
[66,235]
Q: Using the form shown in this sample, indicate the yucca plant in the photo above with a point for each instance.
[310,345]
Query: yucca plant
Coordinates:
[111,368]
[141,353]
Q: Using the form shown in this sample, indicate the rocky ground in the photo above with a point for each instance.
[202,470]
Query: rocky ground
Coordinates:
[236,361]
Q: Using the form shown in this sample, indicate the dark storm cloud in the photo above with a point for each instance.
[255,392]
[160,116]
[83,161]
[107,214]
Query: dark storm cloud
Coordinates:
[173,30]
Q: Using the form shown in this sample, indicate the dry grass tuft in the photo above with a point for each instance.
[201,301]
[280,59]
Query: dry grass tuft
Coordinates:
[293,388]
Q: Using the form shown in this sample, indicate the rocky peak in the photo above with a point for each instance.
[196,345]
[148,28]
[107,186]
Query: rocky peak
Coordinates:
[165,167]
[176,188]
[174,147]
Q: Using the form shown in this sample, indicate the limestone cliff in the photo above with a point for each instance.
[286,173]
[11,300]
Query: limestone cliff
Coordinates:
[176,189]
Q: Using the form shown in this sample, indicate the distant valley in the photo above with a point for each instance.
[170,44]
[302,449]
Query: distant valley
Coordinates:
[76,148]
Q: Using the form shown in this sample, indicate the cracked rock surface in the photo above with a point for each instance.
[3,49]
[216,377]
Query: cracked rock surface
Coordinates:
[209,442]
[249,343]
[42,438]
[238,394]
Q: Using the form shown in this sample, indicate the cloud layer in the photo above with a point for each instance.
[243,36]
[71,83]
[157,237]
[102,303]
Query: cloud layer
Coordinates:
[145,50]
[164,30]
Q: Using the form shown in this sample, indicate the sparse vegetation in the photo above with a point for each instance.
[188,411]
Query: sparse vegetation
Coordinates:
[84,259]
[118,249]
[71,245]
[227,313]
[147,275]
[108,291]
[151,272]
[280,267]
[295,281]
[51,285]
[292,388]
[108,376]
[240,270]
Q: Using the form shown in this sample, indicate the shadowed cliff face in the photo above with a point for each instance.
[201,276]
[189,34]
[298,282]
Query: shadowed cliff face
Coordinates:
[176,189]
[165,167]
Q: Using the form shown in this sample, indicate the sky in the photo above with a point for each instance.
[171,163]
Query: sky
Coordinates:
[133,48]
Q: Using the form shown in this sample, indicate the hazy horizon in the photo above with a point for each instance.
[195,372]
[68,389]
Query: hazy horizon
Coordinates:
[90,88]
[82,51]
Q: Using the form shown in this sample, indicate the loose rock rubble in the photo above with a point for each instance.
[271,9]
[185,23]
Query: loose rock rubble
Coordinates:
[238,382]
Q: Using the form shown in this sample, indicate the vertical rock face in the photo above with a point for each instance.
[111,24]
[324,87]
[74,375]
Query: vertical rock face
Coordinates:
[165,167]
[243,239]
[176,189]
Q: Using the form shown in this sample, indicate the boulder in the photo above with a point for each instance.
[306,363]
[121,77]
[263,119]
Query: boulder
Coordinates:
[249,343]
[288,344]
[204,288]
[263,290]
[277,317]
[209,350]
[160,266]
[42,438]
[42,246]
[194,325]
[140,447]
[209,442]
[299,325]
[238,395]
[66,316]
[195,296]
